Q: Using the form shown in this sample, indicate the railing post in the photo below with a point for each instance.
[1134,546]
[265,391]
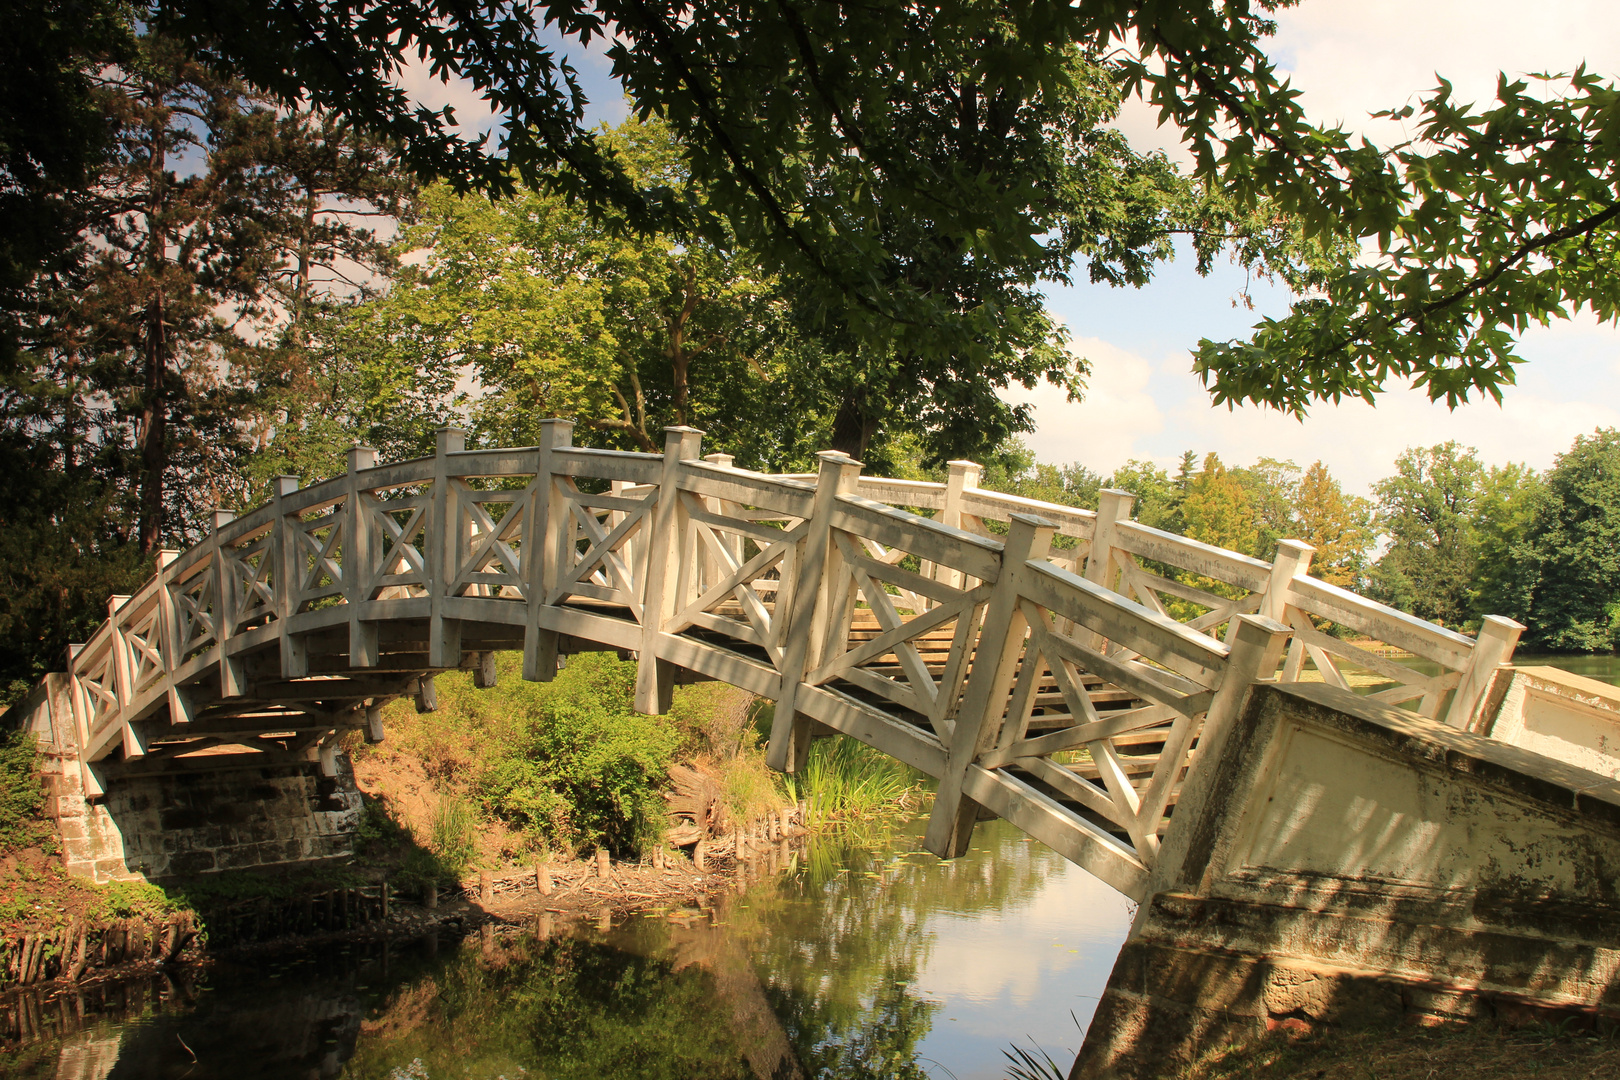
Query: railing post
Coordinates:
[789,746]
[444,635]
[232,672]
[1256,649]
[284,549]
[360,556]
[543,552]
[984,700]
[655,678]
[963,476]
[1494,646]
[1113,506]
[1293,560]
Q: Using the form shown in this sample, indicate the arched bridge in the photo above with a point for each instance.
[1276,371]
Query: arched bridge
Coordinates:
[1039,660]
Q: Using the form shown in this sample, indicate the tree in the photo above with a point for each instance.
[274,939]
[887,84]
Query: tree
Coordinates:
[1337,525]
[191,305]
[1429,509]
[1486,222]
[1015,470]
[555,315]
[1273,490]
[1506,566]
[1218,510]
[1159,499]
[148,363]
[52,140]
[1574,541]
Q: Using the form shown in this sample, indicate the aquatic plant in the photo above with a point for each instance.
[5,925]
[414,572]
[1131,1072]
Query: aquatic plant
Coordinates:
[846,780]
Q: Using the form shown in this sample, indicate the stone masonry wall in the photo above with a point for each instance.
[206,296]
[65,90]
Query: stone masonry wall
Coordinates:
[191,819]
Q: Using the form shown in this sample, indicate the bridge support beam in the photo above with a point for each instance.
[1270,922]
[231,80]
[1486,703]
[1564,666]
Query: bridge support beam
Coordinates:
[791,731]
[655,678]
[984,701]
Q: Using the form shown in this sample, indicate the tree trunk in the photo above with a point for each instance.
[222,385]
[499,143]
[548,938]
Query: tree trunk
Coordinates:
[154,427]
[852,429]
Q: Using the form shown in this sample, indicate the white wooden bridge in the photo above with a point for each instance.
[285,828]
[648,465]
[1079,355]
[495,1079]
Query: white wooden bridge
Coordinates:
[1045,681]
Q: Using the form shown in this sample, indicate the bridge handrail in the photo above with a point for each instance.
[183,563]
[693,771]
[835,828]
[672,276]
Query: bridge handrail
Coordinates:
[1296,598]
[757,580]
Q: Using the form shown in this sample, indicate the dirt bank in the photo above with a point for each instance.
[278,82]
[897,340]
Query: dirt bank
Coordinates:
[1486,1050]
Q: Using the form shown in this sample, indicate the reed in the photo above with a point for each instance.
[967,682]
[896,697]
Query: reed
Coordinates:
[454,835]
[848,781]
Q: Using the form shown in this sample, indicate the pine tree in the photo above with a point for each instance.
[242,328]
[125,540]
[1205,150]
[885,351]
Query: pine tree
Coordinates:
[1337,525]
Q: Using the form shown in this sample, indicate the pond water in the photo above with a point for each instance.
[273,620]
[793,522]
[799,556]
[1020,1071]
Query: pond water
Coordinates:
[1603,667]
[864,960]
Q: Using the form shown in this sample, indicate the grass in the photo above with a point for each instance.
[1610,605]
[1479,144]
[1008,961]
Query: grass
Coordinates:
[848,781]
[455,835]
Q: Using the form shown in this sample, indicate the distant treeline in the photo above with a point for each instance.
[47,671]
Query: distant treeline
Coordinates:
[1445,537]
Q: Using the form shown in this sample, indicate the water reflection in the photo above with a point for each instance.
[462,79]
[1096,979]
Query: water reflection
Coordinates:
[861,960]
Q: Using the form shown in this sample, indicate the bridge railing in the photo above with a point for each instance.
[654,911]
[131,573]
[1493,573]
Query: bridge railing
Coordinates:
[1215,585]
[929,635]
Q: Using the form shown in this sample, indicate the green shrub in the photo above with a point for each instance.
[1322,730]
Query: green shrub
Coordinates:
[20,792]
[136,900]
[580,768]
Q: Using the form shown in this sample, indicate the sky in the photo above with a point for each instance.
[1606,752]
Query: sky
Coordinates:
[1350,58]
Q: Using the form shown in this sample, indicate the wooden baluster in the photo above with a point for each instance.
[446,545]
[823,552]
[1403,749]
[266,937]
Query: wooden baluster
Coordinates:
[733,544]
[984,700]
[180,705]
[666,574]
[361,551]
[789,746]
[1498,637]
[232,672]
[1293,561]
[286,548]
[123,664]
[547,538]
[1252,658]
[443,555]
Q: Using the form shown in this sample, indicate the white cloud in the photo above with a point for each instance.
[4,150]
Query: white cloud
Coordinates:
[1354,57]
[1102,431]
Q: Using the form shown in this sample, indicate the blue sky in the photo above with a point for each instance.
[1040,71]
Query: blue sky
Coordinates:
[1350,58]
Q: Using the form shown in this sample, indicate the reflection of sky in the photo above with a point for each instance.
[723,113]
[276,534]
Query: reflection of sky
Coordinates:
[1016,975]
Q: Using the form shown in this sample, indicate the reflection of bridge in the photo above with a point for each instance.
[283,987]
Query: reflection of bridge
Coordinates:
[1065,686]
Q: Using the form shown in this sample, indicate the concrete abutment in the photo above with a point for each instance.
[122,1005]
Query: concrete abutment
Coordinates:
[1362,867]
